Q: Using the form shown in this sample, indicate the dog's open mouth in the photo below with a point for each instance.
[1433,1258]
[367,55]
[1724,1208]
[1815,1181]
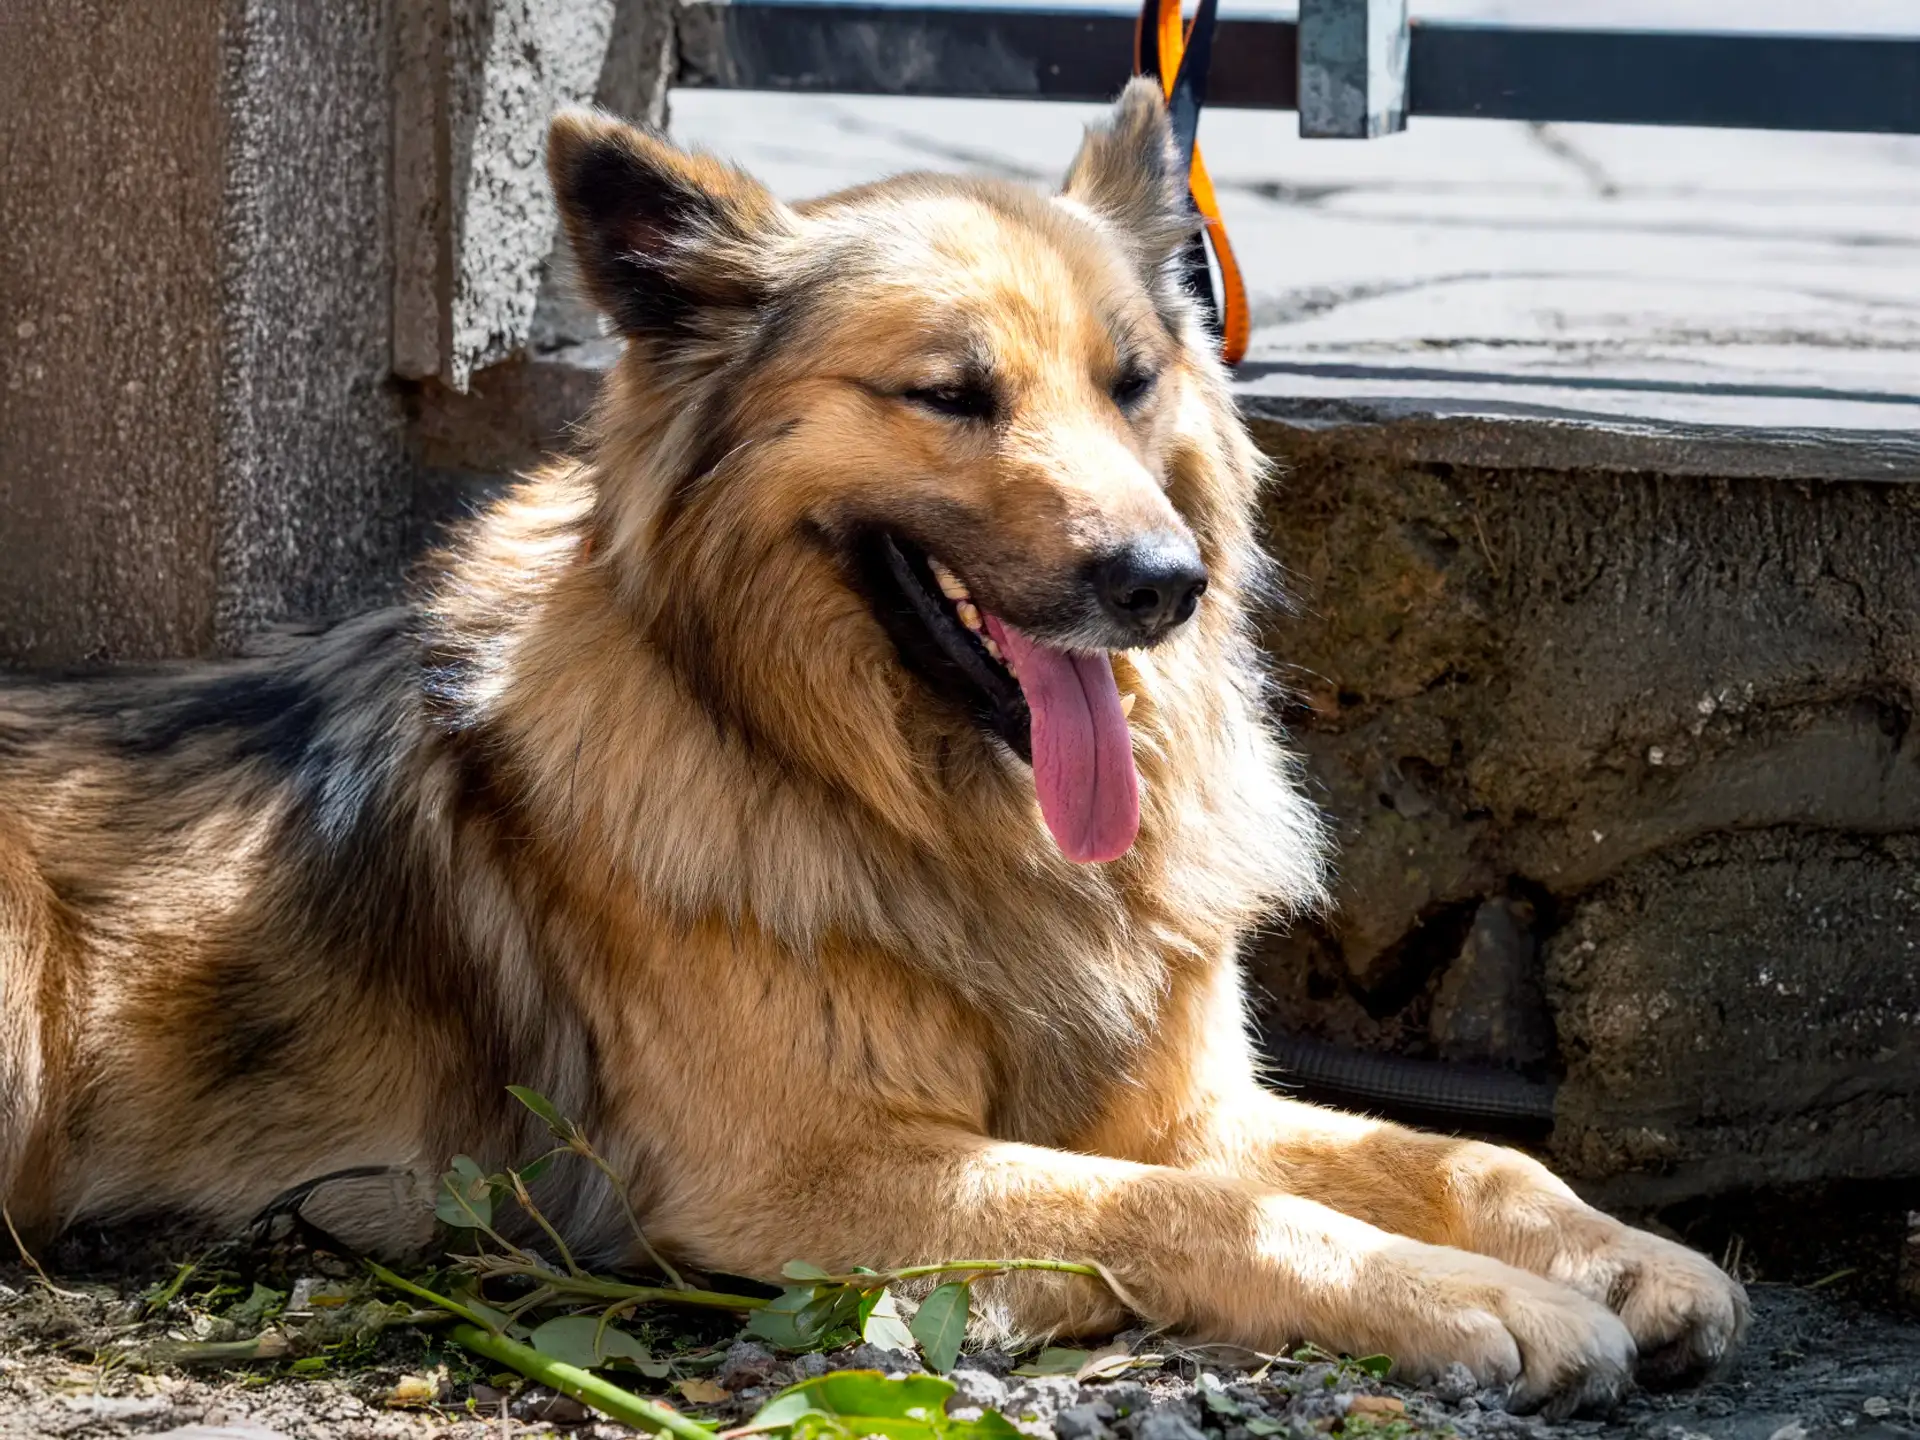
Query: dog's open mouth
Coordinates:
[1057,709]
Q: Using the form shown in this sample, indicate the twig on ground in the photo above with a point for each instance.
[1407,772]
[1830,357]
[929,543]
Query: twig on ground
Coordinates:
[267,1345]
[32,1264]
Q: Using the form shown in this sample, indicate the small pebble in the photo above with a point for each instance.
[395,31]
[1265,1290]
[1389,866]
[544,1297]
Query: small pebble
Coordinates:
[540,1403]
[1167,1425]
[1041,1397]
[1455,1384]
[1082,1422]
[977,1387]
[872,1357]
[746,1365]
[1122,1397]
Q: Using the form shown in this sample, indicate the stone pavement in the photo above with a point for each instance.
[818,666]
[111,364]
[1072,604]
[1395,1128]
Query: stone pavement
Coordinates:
[1707,285]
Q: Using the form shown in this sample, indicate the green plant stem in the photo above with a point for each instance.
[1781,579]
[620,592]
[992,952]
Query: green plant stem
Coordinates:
[597,1289]
[626,1203]
[543,1296]
[420,1292]
[873,1280]
[526,1204]
[582,1385]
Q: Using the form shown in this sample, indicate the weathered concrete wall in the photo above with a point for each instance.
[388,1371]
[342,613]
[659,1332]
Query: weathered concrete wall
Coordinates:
[200,212]
[196,431]
[1670,715]
[111,352]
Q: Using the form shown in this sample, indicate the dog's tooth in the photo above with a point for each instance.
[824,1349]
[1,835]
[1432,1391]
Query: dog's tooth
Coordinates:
[1126,702]
[969,615]
[992,649]
[948,582]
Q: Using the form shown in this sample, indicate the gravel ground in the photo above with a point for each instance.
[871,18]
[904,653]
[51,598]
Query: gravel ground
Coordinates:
[1813,1367]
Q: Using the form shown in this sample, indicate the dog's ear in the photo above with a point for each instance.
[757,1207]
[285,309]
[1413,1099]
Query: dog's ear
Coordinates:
[1128,173]
[662,236]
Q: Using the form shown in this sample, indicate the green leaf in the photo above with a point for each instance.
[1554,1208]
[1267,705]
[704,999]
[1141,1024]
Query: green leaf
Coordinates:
[581,1340]
[1264,1425]
[776,1327]
[252,1312]
[468,1295]
[853,1403]
[832,1310]
[880,1322]
[1216,1398]
[466,1196]
[940,1325]
[1054,1361]
[806,1317]
[991,1425]
[804,1270]
[1378,1366]
[533,1170]
[794,1298]
[561,1127]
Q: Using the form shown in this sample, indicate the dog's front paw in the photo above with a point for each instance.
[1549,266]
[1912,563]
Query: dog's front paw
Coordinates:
[1686,1314]
[1550,1347]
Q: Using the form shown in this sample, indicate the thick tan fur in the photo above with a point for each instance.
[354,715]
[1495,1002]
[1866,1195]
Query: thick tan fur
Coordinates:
[638,805]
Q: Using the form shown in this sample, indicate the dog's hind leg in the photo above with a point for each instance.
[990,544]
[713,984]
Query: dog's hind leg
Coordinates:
[1214,1256]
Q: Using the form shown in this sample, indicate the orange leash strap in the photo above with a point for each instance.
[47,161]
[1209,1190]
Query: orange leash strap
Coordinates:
[1177,55]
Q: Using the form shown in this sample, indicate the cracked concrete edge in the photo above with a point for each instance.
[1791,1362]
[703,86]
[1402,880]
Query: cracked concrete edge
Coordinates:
[1512,436]
[521,412]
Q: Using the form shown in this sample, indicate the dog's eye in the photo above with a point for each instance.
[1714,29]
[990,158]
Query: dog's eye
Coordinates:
[958,402]
[1131,388]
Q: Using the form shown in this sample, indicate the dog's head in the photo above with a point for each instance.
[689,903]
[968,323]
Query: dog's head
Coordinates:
[903,472]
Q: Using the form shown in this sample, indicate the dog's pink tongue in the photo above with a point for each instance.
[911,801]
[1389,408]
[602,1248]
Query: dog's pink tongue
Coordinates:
[1082,751]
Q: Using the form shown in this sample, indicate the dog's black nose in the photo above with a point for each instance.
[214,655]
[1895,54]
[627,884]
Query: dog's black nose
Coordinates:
[1153,584]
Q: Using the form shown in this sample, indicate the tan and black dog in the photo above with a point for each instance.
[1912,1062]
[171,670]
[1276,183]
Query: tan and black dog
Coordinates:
[842,788]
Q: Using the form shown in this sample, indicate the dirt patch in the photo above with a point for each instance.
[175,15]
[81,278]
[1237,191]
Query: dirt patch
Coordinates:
[99,1362]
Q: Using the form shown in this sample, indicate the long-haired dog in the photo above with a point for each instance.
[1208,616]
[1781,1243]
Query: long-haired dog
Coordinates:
[842,788]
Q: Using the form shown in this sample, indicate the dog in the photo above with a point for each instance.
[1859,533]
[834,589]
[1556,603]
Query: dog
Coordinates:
[842,787]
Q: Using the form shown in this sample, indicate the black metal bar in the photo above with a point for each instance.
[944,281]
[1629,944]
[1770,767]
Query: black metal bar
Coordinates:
[1761,82]
[1005,54]
[1771,82]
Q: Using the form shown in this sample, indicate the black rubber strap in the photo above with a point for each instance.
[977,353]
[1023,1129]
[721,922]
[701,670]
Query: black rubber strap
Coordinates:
[1189,94]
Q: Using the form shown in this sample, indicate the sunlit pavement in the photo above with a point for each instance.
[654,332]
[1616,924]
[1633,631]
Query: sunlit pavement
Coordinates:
[1759,280]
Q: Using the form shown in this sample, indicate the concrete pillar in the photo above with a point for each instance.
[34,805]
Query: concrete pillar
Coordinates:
[474,234]
[201,314]
[196,434]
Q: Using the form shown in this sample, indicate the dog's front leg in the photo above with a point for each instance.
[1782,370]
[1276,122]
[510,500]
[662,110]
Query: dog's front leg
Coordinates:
[1212,1255]
[1685,1314]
